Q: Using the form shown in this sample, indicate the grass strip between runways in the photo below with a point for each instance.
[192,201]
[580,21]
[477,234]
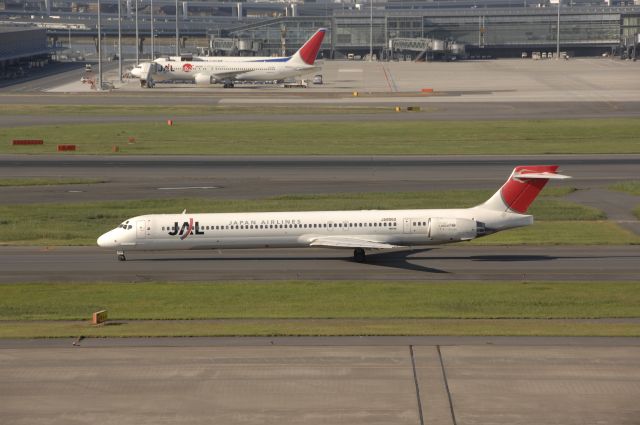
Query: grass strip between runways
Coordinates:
[321,300]
[373,137]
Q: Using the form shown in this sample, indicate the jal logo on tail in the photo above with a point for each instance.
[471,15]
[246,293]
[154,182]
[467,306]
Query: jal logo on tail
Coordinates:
[185,229]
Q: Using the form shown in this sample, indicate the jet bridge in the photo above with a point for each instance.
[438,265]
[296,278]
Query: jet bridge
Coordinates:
[427,48]
[235,46]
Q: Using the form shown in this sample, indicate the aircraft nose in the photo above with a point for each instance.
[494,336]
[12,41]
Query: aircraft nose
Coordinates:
[107,240]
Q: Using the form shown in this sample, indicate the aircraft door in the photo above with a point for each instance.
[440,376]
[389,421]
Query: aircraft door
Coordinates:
[407,226]
[142,228]
[415,225]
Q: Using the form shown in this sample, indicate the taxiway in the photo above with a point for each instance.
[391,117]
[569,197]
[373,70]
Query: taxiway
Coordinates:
[445,381]
[454,263]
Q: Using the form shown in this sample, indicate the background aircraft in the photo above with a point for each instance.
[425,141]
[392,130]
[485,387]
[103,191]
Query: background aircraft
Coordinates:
[357,230]
[227,69]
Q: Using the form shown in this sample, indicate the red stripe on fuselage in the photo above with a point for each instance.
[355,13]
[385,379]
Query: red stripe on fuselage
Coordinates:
[518,193]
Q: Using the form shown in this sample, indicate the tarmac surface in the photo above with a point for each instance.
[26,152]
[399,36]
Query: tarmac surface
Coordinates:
[442,111]
[478,90]
[373,380]
[522,381]
[149,177]
[453,263]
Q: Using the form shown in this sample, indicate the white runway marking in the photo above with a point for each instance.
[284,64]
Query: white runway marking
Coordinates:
[188,188]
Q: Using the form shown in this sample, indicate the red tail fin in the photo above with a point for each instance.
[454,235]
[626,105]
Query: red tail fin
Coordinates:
[523,186]
[309,51]
[519,192]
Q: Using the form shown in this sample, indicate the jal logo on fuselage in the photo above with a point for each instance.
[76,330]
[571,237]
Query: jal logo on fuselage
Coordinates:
[187,67]
[185,229]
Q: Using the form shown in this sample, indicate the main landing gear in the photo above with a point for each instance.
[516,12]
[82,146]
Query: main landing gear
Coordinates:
[121,256]
[358,255]
[228,85]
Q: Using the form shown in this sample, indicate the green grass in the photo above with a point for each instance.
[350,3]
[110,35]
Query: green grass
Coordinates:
[321,300]
[563,233]
[370,137]
[450,327]
[54,181]
[36,310]
[632,187]
[82,223]
[184,110]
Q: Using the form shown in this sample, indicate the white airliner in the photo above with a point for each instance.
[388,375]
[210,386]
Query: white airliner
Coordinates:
[357,230]
[227,69]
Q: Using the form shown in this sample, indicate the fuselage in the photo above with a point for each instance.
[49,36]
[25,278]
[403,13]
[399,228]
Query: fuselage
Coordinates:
[215,69]
[357,230]
[304,229]
[227,70]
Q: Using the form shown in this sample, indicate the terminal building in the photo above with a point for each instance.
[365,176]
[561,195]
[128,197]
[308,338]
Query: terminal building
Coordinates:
[390,29]
[21,49]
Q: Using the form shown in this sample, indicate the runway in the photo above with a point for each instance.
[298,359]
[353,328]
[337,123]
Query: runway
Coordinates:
[141,177]
[382,109]
[405,381]
[450,263]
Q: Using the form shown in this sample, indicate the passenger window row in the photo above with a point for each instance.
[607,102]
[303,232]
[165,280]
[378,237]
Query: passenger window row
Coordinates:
[293,226]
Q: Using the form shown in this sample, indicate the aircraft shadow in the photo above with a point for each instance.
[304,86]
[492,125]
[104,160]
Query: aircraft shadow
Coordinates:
[400,260]
[391,259]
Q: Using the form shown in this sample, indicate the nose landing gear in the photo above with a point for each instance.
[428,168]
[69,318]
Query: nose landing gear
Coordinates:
[121,256]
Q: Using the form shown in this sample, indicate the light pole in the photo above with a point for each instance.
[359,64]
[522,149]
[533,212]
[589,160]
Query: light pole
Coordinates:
[177,31]
[558,33]
[137,38]
[99,49]
[371,31]
[152,35]
[119,42]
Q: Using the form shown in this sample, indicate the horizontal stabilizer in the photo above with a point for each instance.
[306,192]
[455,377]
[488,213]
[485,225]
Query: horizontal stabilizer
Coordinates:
[525,175]
[349,242]
[522,187]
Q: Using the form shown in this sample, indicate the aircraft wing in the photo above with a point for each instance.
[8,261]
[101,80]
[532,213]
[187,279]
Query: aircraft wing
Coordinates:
[349,242]
[228,74]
